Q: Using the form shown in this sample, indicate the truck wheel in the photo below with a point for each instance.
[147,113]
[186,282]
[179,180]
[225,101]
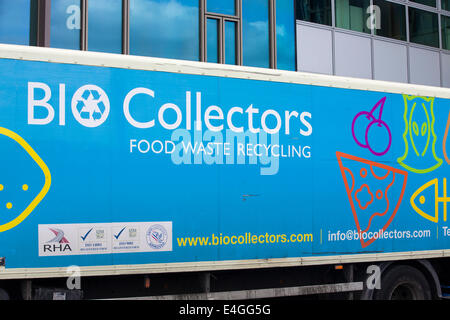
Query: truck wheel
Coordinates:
[3,295]
[403,283]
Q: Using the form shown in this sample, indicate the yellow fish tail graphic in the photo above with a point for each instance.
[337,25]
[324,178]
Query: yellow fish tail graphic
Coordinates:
[427,199]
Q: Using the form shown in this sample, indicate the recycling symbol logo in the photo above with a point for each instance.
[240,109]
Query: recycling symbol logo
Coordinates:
[90,106]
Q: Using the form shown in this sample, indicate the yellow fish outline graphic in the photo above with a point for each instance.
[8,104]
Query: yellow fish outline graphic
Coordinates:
[16,221]
[444,199]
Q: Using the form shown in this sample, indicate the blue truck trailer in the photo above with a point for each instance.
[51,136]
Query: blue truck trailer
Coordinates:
[184,179]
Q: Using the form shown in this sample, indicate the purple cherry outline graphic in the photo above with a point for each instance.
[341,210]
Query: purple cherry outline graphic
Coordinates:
[380,123]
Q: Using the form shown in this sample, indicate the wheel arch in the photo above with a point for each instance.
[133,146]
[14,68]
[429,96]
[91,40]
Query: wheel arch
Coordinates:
[424,266]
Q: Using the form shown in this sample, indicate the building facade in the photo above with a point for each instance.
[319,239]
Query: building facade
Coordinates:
[397,40]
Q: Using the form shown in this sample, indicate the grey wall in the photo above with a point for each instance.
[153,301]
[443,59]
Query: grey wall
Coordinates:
[445,58]
[314,50]
[390,61]
[424,67]
[352,56]
[326,50]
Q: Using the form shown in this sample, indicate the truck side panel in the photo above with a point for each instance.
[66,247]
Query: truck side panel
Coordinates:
[107,166]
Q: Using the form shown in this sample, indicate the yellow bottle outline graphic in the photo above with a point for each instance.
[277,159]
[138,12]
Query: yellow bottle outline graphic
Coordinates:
[444,141]
[21,217]
[444,199]
[411,126]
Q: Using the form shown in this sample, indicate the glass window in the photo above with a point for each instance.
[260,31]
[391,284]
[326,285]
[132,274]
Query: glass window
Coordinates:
[318,11]
[255,33]
[392,20]
[445,4]
[105,26]
[285,30]
[164,28]
[15,21]
[212,36]
[230,42]
[65,24]
[33,22]
[445,32]
[431,3]
[221,6]
[352,15]
[423,27]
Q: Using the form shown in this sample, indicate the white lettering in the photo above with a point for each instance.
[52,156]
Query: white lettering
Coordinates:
[161,116]
[250,110]
[263,121]
[92,109]
[126,108]
[230,121]
[32,103]
[208,117]
[306,123]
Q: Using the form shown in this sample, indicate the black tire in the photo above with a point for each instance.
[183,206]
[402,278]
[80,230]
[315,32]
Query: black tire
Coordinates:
[403,283]
[3,295]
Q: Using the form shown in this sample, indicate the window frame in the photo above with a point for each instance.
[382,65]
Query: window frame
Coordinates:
[221,18]
[441,27]
[84,39]
[44,13]
[412,3]
[407,4]
[438,18]
[441,7]
[406,21]
[204,15]
[83,24]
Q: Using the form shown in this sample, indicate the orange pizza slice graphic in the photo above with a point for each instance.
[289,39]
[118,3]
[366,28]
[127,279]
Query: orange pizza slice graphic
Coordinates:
[375,192]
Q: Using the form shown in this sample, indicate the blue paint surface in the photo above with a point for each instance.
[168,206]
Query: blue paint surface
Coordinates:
[294,204]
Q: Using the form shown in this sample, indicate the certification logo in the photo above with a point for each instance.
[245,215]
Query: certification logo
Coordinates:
[59,236]
[93,239]
[54,241]
[156,236]
[104,238]
[125,238]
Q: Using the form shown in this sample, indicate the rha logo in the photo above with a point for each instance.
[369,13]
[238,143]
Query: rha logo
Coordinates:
[58,243]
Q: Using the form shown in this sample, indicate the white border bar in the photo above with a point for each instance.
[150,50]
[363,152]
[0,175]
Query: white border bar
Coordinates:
[28,273]
[211,69]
